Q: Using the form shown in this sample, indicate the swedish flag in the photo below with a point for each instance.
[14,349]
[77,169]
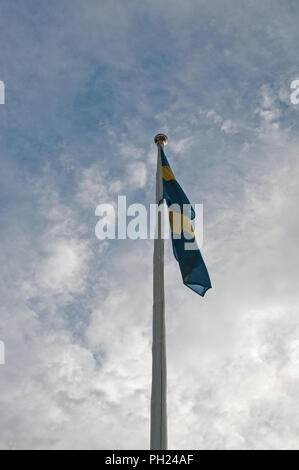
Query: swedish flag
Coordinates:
[192,266]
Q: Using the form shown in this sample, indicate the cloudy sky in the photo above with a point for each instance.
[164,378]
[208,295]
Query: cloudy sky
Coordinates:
[88,85]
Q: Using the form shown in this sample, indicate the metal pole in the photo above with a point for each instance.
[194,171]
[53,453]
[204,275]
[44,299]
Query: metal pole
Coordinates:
[158,398]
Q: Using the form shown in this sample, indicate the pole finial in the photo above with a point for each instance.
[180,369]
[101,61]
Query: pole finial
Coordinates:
[161,139]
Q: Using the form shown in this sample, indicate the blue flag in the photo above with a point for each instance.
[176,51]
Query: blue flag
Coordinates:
[192,266]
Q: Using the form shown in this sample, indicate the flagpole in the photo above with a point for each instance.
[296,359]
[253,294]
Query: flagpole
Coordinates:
[159,383]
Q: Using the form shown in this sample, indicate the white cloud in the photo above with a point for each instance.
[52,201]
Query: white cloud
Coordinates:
[211,114]
[181,145]
[76,312]
[269,110]
[96,187]
[137,174]
[64,265]
[228,127]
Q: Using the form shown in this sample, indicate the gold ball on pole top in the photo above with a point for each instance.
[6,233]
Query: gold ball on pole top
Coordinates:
[161,139]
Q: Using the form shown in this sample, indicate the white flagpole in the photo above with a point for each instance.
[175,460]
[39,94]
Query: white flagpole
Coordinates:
[158,398]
